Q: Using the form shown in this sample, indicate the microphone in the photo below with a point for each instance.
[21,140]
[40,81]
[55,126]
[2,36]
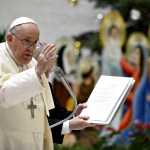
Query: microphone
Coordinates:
[59,73]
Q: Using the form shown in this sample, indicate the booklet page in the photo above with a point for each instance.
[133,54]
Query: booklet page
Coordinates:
[107,96]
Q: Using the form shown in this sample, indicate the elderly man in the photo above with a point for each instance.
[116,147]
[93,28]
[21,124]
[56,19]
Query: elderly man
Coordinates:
[25,96]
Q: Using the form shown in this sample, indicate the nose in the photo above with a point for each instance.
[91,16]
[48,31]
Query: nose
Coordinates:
[32,45]
[31,48]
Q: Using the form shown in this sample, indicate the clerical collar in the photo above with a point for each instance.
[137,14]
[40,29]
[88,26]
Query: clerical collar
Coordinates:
[11,55]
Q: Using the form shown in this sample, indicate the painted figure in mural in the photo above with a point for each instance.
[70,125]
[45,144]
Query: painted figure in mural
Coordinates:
[87,76]
[134,70]
[132,64]
[112,37]
[141,104]
[66,61]
[112,53]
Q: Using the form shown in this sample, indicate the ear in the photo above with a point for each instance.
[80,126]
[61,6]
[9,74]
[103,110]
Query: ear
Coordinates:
[9,38]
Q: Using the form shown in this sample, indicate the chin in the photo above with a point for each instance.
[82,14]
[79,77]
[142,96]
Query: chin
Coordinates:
[26,61]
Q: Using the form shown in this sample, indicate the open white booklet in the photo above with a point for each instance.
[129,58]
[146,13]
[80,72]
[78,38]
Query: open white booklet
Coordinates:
[107,97]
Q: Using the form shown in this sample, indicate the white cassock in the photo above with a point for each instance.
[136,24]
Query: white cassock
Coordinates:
[19,130]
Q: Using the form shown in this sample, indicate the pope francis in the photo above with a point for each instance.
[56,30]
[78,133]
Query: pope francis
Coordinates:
[25,96]
[24,91]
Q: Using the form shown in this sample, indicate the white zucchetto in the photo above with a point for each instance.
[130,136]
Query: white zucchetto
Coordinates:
[21,20]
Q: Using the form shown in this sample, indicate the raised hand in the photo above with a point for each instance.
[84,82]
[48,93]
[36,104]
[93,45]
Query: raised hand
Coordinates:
[46,59]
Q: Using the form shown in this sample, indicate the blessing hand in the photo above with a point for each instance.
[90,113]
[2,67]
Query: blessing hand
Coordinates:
[46,59]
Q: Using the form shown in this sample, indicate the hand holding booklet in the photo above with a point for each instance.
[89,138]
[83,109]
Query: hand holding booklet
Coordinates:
[107,97]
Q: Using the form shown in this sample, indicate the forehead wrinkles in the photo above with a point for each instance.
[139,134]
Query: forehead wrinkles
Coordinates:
[29,30]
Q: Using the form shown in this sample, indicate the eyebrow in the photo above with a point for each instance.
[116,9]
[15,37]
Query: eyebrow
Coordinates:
[28,38]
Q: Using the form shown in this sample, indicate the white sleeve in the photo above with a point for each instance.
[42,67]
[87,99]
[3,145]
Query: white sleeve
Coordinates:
[19,88]
[65,128]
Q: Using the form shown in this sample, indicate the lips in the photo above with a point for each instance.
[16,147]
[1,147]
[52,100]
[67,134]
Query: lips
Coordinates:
[28,55]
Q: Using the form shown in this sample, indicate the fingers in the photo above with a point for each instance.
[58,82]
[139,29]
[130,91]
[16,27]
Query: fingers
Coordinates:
[48,52]
[79,123]
[83,117]
[46,59]
[48,49]
[51,62]
[80,108]
[52,58]
[85,123]
[83,105]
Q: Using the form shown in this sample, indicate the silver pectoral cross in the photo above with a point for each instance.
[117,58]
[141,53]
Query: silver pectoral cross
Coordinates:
[32,107]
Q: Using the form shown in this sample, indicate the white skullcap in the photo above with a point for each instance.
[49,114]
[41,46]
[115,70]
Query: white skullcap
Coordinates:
[21,20]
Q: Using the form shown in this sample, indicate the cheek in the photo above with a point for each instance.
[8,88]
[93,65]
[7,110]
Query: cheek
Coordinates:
[18,53]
